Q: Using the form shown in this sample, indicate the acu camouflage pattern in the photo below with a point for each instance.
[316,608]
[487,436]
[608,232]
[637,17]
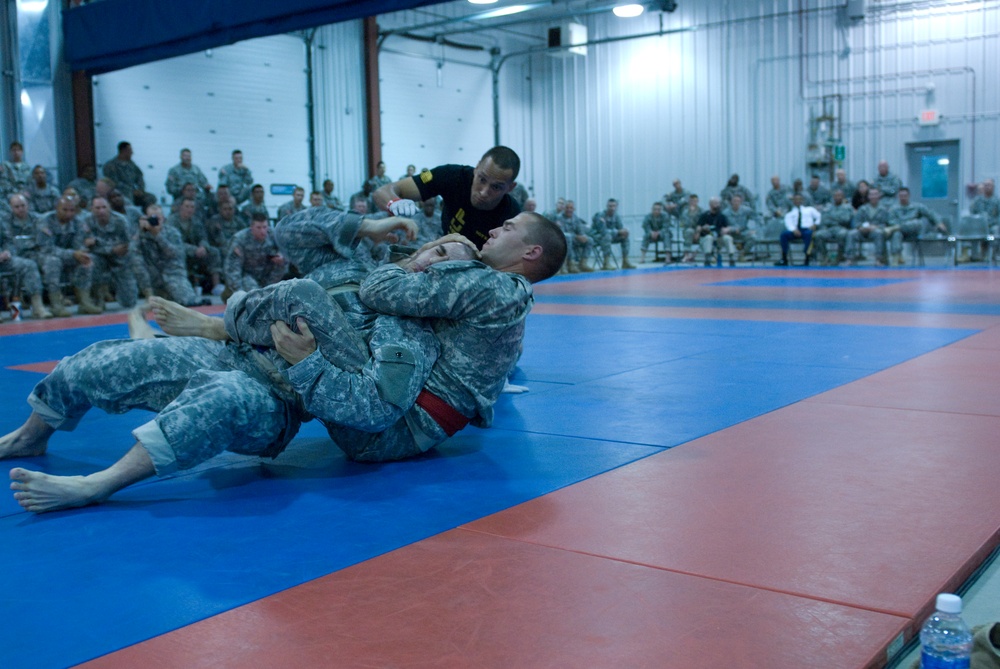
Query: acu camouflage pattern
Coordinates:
[14,177]
[248,263]
[161,267]
[239,180]
[659,224]
[56,243]
[178,175]
[988,207]
[27,279]
[126,175]
[110,268]
[602,230]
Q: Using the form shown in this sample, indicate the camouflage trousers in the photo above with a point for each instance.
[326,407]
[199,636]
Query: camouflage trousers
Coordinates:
[605,242]
[117,272]
[263,276]
[53,268]
[172,282]
[204,406]
[366,374]
[26,280]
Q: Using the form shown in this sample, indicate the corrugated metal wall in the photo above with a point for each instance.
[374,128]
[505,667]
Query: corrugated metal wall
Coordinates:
[249,96]
[737,91]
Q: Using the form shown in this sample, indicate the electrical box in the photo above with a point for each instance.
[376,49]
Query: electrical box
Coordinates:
[856,9]
[568,34]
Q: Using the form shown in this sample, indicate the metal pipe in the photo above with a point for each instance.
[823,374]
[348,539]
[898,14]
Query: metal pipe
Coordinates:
[307,38]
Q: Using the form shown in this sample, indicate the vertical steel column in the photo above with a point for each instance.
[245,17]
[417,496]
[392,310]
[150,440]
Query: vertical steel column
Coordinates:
[10,76]
[373,105]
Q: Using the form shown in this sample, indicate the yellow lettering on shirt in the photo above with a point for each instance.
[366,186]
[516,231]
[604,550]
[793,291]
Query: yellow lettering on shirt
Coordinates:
[426,176]
[457,221]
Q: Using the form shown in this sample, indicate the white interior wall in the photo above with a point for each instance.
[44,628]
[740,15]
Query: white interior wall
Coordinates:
[250,96]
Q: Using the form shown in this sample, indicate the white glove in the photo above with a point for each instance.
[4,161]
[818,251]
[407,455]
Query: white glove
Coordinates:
[406,208]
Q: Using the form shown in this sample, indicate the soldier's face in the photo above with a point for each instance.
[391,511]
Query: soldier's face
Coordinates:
[117,200]
[569,209]
[187,209]
[988,188]
[612,208]
[226,210]
[259,230]
[657,209]
[904,197]
[189,191]
[327,187]
[16,154]
[258,195]
[100,209]
[19,206]
[185,158]
[838,198]
[38,174]
[238,160]
[507,244]
[439,253]
[65,211]
[874,196]
[316,200]
[490,184]
[297,196]
[883,169]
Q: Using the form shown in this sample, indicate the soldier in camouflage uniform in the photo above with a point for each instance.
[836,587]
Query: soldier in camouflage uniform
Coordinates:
[887,182]
[846,187]
[131,212]
[27,279]
[256,203]
[908,222]
[656,228]
[185,172]
[62,239]
[111,251]
[819,194]
[331,200]
[870,224]
[675,201]
[237,177]
[743,226]
[253,259]
[15,174]
[85,185]
[125,174]
[222,227]
[606,229]
[212,396]
[987,204]
[689,225]
[162,266]
[202,258]
[294,205]
[42,196]
[733,187]
[779,198]
[577,239]
[833,227]
[428,221]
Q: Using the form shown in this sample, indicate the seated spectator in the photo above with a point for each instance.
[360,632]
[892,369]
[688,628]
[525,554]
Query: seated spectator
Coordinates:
[331,200]
[675,201]
[846,187]
[25,270]
[428,221]
[222,227]
[131,212]
[256,203]
[578,242]
[162,269]
[203,260]
[870,223]
[712,234]
[834,226]
[293,205]
[316,199]
[109,245]
[655,228]
[818,193]
[237,177]
[15,173]
[908,222]
[530,205]
[689,226]
[253,259]
[732,188]
[860,197]
[743,226]
[779,198]
[62,250]
[124,173]
[42,196]
[800,222]
[186,172]
[606,229]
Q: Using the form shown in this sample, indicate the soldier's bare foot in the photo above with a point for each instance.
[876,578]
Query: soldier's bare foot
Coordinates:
[138,327]
[181,321]
[31,439]
[39,492]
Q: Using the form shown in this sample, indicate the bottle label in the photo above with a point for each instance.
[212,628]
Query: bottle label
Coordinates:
[931,661]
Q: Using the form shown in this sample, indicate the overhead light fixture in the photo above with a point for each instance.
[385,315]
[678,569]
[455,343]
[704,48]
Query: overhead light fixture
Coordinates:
[483,2]
[628,11]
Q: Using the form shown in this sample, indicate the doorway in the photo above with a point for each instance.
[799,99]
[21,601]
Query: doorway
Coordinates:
[933,176]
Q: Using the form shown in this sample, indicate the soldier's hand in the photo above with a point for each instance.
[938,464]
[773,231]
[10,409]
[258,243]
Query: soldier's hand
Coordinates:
[89,241]
[82,257]
[403,207]
[390,229]
[120,250]
[200,252]
[654,235]
[293,347]
[277,259]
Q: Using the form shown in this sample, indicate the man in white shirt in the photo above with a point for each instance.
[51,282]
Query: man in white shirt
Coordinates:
[800,222]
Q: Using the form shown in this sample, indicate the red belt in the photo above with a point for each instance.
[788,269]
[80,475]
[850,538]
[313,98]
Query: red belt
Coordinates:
[443,413]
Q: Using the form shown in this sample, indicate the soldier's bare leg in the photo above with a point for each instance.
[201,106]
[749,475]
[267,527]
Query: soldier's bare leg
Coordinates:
[29,440]
[138,327]
[39,492]
[184,322]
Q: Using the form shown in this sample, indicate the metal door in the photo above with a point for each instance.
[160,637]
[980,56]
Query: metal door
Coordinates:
[933,176]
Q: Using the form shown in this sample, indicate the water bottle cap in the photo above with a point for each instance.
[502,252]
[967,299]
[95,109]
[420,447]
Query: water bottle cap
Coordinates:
[947,603]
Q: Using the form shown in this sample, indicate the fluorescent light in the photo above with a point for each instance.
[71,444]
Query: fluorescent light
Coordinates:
[504,11]
[25,99]
[33,6]
[627,11]
[483,2]
[943,161]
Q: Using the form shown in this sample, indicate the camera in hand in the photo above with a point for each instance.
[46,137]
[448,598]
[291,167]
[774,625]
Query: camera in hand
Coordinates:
[154,220]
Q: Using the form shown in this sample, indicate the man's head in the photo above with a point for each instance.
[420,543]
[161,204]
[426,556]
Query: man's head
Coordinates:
[494,177]
[298,195]
[315,199]
[117,201]
[569,209]
[692,201]
[257,193]
[775,182]
[838,197]
[154,210]
[841,176]
[715,205]
[874,195]
[124,151]
[733,182]
[797,200]
[186,157]
[189,190]
[988,187]
[612,207]
[411,170]
[237,158]
[797,185]
[327,186]
[904,196]
[38,174]
[813,182]
[101,210]
[227,209]
[258,229]
[528,244]
[73,195]
[222,194]
[380,169]
[65,209]
[186,209]
[88,172]
[16,152]
[18,205]
[883,168]
[104,186]
[449,251]
[429,206]
[530,204]
[736,202]
[359,204]
[657,209]
[677,185]
[560,204]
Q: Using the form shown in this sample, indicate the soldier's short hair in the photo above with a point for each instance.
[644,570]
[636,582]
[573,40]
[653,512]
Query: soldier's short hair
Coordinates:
[123,145]
[504,158]
[16,144]
[258,216]
[255,187]
[550,237]
[235,151]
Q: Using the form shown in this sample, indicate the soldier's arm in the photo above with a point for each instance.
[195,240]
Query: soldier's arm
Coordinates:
[433,293]
[404,189]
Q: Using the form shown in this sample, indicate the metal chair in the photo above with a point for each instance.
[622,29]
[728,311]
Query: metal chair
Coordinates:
[771,234]
[973,229]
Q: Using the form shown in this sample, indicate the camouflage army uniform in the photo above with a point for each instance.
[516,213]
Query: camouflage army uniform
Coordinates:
[56,244]
[221,231]
[603,229]
[659,224]
[779,201]
[289,208]
[248,263]
[162,267]
[908,224]
[239,180]
[727,193]
[577,251]
[42,200]
[14,177]
[110,268]
[888,184]
[847,188]
[689,221]
[27,279]
[178,175]
[249,209]
[821,197]
[988,207]
[877,219]
[126,175]
[429,227]
[85,188]
[194,236]
[833,227]
[746,228]
[677,201]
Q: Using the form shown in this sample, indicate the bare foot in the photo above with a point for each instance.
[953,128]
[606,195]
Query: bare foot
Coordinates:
[29,440]
[39,492]
[183,322]
[138,327]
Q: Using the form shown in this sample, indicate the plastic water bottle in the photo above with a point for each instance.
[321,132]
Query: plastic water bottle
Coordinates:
[945,640]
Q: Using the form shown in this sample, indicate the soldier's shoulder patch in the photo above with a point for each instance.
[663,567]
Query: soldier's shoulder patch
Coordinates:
[426,176]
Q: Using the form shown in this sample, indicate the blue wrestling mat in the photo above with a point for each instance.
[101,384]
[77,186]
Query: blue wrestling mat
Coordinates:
[808,282]
[170,552]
